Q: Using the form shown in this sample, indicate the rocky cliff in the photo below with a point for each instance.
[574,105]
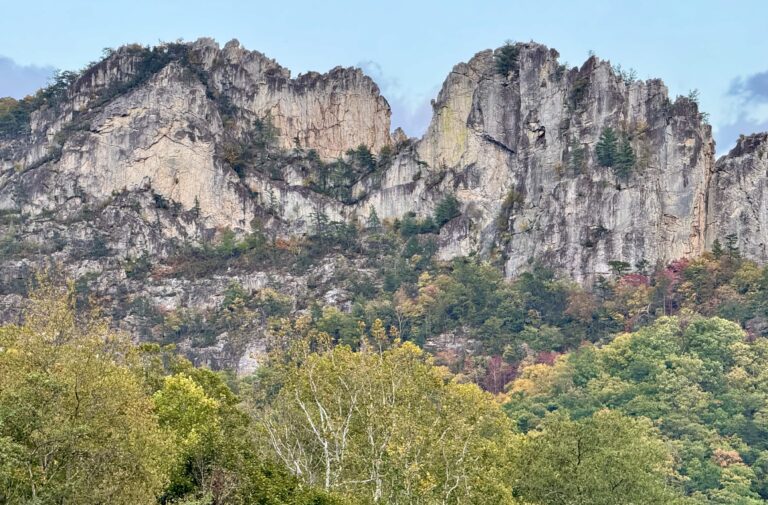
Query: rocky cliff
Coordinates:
[150,152]
[521,149]
[738,203]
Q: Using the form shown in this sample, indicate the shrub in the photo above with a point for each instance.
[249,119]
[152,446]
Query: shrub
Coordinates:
[138,268]
[513,200]
[578,92]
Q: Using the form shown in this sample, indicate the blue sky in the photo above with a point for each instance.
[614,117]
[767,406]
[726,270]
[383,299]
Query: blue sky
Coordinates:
[409,47]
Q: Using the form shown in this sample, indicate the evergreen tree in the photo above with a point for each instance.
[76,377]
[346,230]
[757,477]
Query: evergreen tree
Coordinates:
[577,157]
[409,225]
[320,219]
[618,267]
[625,159]
[506,58]
[447,209]
[374,224]
[731,245]
[606,149]
[717,249]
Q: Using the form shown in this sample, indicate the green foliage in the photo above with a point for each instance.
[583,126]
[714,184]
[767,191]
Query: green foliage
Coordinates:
[409,430]
[75,424]
[512,202]
[385,426]
[505,58]
[337,178]
[628,76]
[603,459]
[615,152]
[625,158]
[411,226]
[576,157]
[139,267]
[86,418]
[619,268]
[717,249]
[693,378]
[731,247]
[607,147]
[578,92]
[14,116]
[362,158]
[446,209]
[373,223]
[255,149]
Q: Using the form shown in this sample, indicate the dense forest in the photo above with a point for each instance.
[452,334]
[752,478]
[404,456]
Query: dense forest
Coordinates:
[648,388]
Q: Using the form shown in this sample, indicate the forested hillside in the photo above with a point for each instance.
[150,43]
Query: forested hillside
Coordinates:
[628,394]
[220,284]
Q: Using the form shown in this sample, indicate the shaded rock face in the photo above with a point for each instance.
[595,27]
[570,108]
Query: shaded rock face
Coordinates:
[738,197]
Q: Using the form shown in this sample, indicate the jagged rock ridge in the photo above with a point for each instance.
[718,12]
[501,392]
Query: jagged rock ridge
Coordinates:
[149,149]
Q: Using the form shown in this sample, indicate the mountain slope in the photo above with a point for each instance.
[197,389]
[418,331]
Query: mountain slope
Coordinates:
[151,169]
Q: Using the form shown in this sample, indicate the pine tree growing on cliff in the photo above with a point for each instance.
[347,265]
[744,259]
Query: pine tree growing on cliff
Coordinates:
[717,249]
[577,157]
[374,223]
[447,209]
[505,58]
[606,149]
[625,159]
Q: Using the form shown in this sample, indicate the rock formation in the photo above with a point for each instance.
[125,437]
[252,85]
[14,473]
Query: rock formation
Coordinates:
[152,149]
[738,203]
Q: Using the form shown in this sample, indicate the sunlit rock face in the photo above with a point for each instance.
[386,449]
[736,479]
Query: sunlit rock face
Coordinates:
[529,136]
[525,135]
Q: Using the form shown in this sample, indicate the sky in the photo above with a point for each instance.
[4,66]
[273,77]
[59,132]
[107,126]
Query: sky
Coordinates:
[408,47]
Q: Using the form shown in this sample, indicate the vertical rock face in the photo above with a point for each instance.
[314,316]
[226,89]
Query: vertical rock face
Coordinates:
[329,113]
[738,199]
[516,145]
[528,137]
[161,122]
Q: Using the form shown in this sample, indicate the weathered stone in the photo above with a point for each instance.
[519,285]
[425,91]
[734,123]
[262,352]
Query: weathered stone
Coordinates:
[135,162]
[738,200]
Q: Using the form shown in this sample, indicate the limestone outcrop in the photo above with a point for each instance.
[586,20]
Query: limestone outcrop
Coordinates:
[738,200]
[151,151]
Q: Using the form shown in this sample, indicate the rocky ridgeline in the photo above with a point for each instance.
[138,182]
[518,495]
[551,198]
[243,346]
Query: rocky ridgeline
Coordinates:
[151,148]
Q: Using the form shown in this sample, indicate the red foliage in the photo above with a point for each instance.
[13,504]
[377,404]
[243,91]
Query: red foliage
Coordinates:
[678,266]
[635,280]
